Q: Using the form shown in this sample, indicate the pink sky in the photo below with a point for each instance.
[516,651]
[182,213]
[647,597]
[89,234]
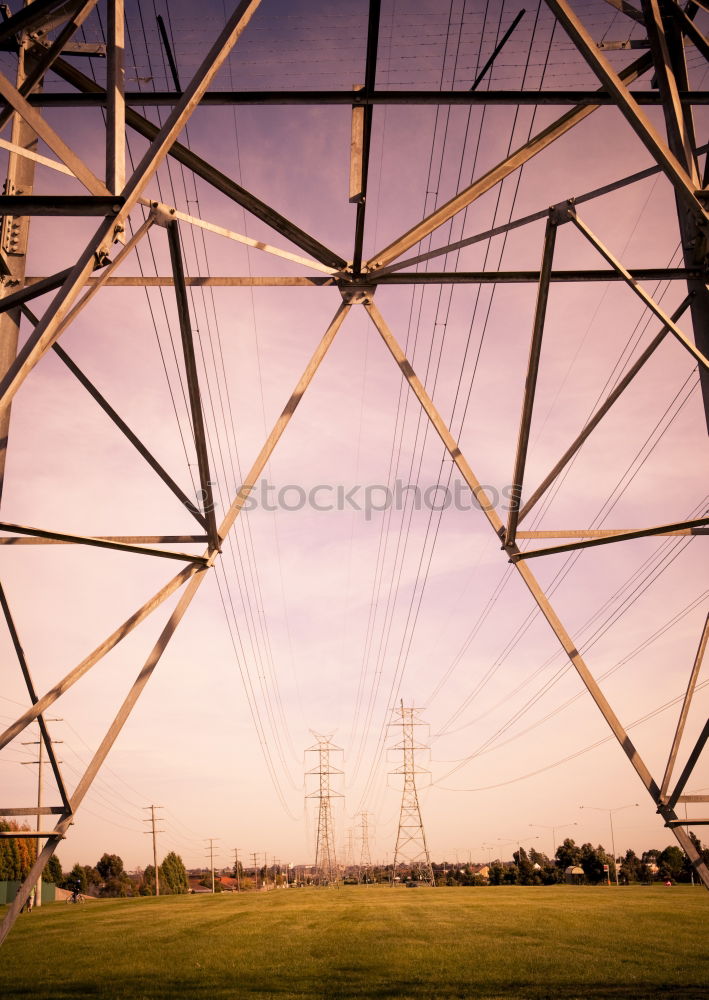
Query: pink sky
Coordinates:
[326,640]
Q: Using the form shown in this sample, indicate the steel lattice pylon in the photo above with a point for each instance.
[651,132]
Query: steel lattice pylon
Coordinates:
[365,857]
[411,848]
[326,868]
[117,199]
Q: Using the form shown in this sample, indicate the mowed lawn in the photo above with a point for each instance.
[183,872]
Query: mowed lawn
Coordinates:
[376,942]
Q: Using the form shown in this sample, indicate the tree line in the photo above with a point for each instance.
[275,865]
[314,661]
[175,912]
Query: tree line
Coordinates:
[534,868]
[107,878]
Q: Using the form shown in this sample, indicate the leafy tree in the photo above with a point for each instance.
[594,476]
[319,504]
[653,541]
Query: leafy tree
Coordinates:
[173,875]
[510,875]
[53,871]
[671,863]
[9,855]
[525,871]
[17,854]
[495,873]
[592,861]
[80,877]
[110,866]
[630,868]
[568,854]
[649,865]
[76,879]
[147,884]
[551,874]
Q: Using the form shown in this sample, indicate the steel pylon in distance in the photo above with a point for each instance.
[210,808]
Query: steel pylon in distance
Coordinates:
[365,858]
[411,848]
[326,869]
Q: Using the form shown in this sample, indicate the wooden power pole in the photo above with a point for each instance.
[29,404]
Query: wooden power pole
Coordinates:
[152,830]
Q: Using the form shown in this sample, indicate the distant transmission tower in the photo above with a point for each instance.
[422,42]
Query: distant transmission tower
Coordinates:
[365,858]
[326,871]
[411,847]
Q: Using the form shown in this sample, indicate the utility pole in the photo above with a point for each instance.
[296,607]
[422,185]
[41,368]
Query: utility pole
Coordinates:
[236,869]
[254,856]
[326,872]
[411,843]
[155,843]
[40,761]
[365,858]
[211,857]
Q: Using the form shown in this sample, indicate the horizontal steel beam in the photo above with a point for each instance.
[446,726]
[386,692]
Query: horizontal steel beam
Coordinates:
[21,205]
[532,277]
[166,98]
[126,539]
[662,529]
[408,278]
[205,281]
[601,532]
[97,542]
[33,811]
[28,834]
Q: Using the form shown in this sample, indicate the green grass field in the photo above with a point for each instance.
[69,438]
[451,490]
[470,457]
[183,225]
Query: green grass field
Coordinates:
[368,942]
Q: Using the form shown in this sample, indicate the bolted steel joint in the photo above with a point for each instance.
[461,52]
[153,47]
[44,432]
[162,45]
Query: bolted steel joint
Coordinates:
[161,214]
[357,294]
[563,212]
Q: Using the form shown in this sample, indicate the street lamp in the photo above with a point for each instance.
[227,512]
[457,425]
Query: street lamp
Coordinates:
[554,828]
[517,841]
[610,812]
[489,848]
